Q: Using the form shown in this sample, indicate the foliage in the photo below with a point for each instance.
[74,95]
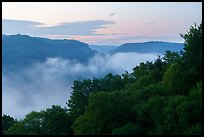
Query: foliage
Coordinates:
[7,122]
[129,129]
[193,53]
[53,121]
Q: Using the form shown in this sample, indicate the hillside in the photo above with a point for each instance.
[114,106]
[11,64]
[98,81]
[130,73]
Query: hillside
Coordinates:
[149,47]
[102,48]
[19,51]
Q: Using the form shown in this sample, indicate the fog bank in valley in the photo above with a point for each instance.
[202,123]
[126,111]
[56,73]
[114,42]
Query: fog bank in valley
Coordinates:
[49,83]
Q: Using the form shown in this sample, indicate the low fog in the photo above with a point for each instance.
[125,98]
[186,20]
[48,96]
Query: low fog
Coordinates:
[45,84]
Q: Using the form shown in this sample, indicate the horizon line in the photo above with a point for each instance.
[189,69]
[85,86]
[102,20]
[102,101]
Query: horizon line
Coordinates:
[86,42]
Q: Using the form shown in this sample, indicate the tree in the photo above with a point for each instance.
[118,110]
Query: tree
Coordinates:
[53,121]
[78,101]
[129,129]
[171,57]
[142,70]
[106,111]
[57,121]
[7,122]
[30,125]
[193,52]
[172,80]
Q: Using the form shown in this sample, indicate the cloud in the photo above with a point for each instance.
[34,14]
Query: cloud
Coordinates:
[68,28]
[149,23]
[20,26]
[49,83]
[77,28]
[112,14]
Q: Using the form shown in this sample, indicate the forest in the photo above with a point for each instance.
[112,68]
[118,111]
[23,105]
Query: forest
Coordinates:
[163,97]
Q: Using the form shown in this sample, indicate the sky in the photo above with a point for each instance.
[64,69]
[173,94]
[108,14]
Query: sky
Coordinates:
[102,23]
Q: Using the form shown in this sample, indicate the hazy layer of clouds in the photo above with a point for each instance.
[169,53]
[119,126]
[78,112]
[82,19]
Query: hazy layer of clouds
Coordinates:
[19,26]
[44,84]
[112,14]
[149,23]
[67,28]
[123,38]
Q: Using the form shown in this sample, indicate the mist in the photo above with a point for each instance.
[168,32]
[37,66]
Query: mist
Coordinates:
[49,83]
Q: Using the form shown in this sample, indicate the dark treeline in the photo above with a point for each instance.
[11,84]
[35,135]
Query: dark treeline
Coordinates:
[163,97]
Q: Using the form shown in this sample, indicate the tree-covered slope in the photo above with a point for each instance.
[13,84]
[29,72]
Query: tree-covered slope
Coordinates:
[149,47]
[19,51]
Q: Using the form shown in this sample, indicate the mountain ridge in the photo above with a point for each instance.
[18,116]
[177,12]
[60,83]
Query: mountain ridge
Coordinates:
[19,51]
[149,47]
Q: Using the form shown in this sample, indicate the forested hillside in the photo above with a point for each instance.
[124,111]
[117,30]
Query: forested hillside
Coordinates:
[20,51]
[149,47]
[163,97]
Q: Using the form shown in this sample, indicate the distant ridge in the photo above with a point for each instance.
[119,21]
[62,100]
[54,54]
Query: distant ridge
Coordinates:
[19,51]
[149,47]
[102,48]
